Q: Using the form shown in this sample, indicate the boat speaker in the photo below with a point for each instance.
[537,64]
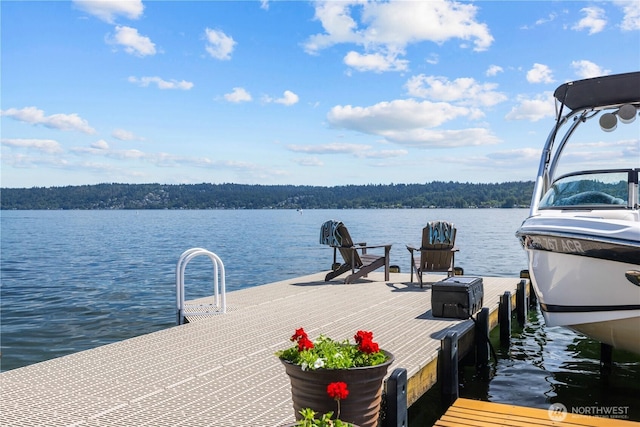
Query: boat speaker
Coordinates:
[608,122]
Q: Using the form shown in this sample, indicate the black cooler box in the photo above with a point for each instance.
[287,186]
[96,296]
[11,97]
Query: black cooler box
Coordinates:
[458,297]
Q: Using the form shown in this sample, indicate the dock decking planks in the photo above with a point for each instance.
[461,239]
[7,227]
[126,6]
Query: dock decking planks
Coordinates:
[221,370]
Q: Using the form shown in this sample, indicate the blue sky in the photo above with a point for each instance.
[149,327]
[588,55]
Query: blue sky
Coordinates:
[291,92]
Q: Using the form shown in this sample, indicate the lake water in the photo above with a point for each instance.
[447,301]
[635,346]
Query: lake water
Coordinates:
[74,280]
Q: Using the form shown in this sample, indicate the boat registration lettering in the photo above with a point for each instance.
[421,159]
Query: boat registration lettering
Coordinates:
[571,246]
[561,245]
[549,244]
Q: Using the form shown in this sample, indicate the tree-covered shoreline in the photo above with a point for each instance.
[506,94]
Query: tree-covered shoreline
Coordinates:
[436,194]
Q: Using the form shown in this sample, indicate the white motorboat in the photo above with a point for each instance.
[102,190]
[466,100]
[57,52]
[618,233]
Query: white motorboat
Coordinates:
[582,235]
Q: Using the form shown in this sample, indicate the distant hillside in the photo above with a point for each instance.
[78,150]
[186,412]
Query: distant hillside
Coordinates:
[239,196]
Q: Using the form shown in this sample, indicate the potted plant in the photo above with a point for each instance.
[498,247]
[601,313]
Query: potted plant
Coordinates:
[337,391]
[313,365]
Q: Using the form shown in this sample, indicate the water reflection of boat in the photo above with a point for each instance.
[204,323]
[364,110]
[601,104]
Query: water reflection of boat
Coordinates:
[582,236]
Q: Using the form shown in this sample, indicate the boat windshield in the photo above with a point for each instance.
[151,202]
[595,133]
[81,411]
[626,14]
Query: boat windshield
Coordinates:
[591,189]
[594,147]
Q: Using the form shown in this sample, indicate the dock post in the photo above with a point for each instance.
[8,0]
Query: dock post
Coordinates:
[396,400]
[504,318]
[606,358]
[482,337]
[521,302]
[449,368]
[533,298]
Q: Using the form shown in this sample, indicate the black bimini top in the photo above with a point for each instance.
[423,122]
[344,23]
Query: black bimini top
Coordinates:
[600,91]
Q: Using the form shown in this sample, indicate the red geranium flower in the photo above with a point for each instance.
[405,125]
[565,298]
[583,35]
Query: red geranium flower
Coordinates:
[337,390]
[366,343]
[363,335]
[368,346]
[300,333]
[304,343]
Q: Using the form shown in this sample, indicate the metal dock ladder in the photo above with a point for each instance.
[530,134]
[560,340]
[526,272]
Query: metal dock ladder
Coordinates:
[219,290]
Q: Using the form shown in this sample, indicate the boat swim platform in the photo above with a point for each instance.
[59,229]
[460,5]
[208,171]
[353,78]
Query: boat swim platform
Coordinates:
[221,370]
[476,413]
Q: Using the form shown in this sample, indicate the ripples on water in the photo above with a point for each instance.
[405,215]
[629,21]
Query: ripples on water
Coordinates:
[74,280]
[542,366]
[562,367]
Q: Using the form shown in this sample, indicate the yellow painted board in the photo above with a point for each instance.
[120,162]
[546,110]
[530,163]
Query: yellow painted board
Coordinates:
[467,412]
[492,418]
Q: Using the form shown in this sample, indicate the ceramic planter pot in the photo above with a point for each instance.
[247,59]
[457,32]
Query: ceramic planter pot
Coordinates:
[361,407]
[295,424]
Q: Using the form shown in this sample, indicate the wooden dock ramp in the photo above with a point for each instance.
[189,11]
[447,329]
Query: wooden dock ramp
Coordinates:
[221,370]
[475,413]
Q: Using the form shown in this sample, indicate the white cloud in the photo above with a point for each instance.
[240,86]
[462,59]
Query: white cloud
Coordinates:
[493,70]
[288,98]
[400,23]
[518,155]
[331,148]
[465,90]
[540,73]
[587,69]
[48,146]
[433,59]
[505,161]
[130,154]
[538,108]
[551,17]
[125,135]
[108,10]
[238,95]
[161,83]
[397,114]
[338,24]
[386,28]
[541,21]
[219,45]
[357,150]
[375,62]
[128,161]
[432,138]
[133,42]
[382,154]
[36,116]
[410,122]
[100,145]
[599,154]
[309,161]
[631,10]
[101,149]
[20,160]
[593,21]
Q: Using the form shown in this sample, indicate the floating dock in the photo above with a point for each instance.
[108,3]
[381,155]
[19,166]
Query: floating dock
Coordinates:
[221,370]
[475,413]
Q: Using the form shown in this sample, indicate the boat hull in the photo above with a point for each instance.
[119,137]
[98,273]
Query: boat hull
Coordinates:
[581,279]
[621,333]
